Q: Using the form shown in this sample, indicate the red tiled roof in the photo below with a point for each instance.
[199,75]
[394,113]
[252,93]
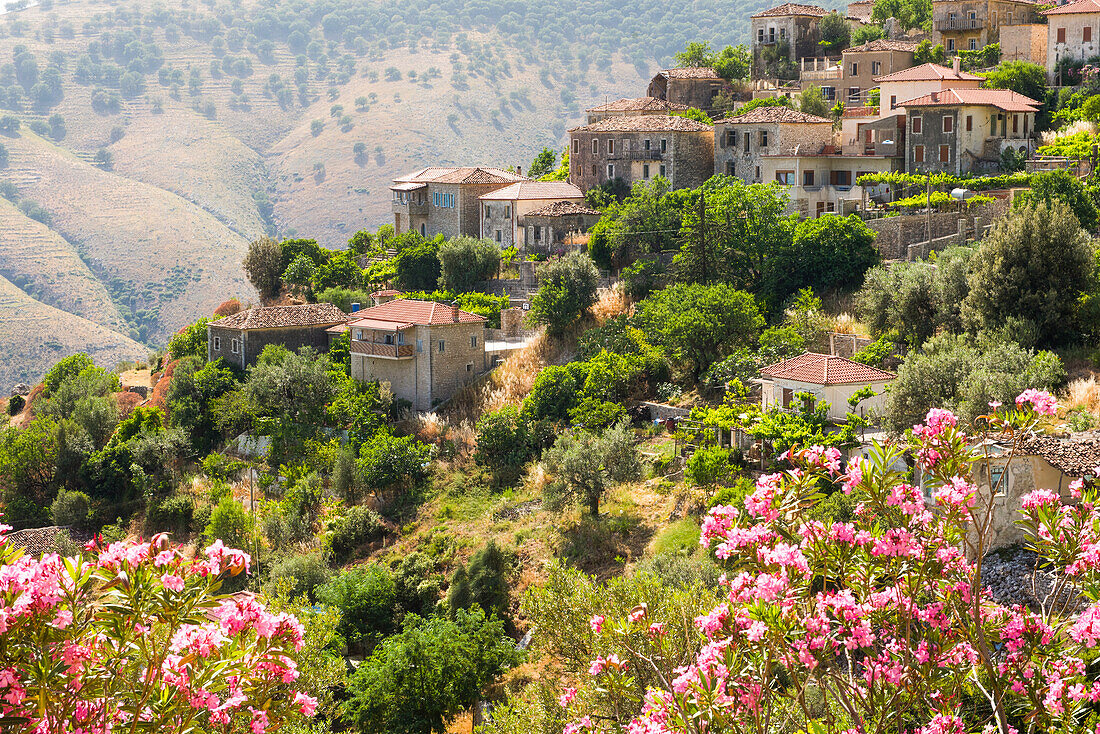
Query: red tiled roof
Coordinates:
[1003,99]
[927,73]
[645,123]
[273,317]
[465,175]
[407,311]
[883,44]
[1081,6]
[639,104]
[535,190]
[563,209]
[825,369]
[385,292]
[689,72]
[793,9]
[759,115]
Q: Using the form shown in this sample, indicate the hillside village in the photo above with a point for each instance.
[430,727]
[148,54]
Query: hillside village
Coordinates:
[787,366]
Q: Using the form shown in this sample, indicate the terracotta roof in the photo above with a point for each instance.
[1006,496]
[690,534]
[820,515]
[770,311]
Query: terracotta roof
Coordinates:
[639,104]
[563,209]
[408,312]
[825,369]
[645,123]
[535,190]
[928,72]
[465,175]
[793,9]
[1077,456]
[883,44]
[1081,6]
[273,317]
[776,114]
[385,292]
[690,72]
[1002,99]
[39,541]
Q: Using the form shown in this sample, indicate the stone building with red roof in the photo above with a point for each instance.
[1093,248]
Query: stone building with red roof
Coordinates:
[1073,32]
[239,339]
[782,36]
[827,377]
[635,107]
[442,200]
[426,351]
[503,210]
[974,24]
[688,86]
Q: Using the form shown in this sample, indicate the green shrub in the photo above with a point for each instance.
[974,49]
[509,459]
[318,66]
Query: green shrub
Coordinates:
[71,508]
[349,531]
[172,515]
[301,573]
[15,404]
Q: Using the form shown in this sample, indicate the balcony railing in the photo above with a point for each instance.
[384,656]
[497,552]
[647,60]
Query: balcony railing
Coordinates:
[411,207]
[653,154]
[378,349]
[959,24]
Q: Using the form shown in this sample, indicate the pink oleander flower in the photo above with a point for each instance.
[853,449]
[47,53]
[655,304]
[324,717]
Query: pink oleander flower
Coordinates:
[597,666]
[172,582]
[1039,498]
[567,697]
[596,623]
[306,704]
[1040,401]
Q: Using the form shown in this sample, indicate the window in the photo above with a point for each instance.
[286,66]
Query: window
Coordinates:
[731,138]
[576,147]
[729,168]
[948,123]
[759,35]
[645,170]
[945,153]
[388,339]
[235,346]
[1086,34]
[507,211]
[950,44]
[748,138]
[918,154]
[853,94]
[662,171]
[763,138]
[829,93]
[217,344]
[469,366]
[595,146]
[595,169]
[830,207]
[840,178]
[758,173]
[1025,125]
[1015,124]
[997,481]
[611,170]
[855,69]
[610,147]
[423,230]
[538,233]
[419,345]
[785,177]
[473,340]
[820,208]
[1009,21]
[973,44]
[664,144]
[876,68]
[969,123]
[893,102]
[1061,35]
[499,236]
[916,124]
[488,212]
[807,178]
[645,143]
[442,346]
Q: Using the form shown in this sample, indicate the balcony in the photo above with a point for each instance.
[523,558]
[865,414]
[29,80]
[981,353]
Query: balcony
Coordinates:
[653,154]
[378,349]
[959,24]
[411,208]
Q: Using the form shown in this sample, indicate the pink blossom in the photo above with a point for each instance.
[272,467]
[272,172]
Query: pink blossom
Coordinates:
[1038,498]
[567,697]
[1040,401]
[596,623]
[306,704]
[172,582]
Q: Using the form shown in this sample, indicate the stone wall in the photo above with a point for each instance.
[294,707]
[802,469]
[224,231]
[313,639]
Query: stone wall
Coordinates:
[253,341]
[895,235]
[692,160]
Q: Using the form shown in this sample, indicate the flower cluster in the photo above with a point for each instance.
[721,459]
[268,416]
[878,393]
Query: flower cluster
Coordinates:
[882,615]
[86,640]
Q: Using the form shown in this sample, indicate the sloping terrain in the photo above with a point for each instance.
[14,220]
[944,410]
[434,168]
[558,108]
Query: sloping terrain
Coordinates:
[47,267]
[34,334]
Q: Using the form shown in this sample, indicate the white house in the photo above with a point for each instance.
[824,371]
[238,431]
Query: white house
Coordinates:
[829,378]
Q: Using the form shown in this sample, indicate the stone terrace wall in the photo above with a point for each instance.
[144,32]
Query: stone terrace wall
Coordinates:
[894,235]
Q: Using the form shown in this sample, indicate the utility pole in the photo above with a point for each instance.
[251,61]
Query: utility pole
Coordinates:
[928,179]
[703,266]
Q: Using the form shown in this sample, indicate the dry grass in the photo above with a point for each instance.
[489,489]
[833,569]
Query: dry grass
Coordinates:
[1083,394]
[846,323]
[1051,136]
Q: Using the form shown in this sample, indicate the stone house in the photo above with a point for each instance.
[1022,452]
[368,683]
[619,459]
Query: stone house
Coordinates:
[788,32]
[1072,33]
[692,86]
[502,211]
[640,149]
[965,130]
[1041,462]
[559,226]
[438,200]
[634,108]
[861,10]
[239,339]
[828,377]
[863,64]
[920,80]
[740,141]
[1025,42]
[824,183]
[974,24]
[426,351]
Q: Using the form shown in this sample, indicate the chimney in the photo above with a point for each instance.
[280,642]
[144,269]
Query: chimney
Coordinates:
[519,171]
[454,311]
[955,65]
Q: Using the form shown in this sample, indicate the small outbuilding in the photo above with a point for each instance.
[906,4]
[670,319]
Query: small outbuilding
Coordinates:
[827,377]
[239,339]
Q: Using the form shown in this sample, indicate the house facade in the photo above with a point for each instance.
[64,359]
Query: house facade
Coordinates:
[786,33]
[1073,32]
[444,201]
[920,80]
[863,64]
[692,86]
[559,226]
[741,141]
[426,351]
[823,183]
[634,108]
[640,149]
[827,377]
[239,339]
[974,24]
[965,130]
[1025,42]
[861,10]
[502,211]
